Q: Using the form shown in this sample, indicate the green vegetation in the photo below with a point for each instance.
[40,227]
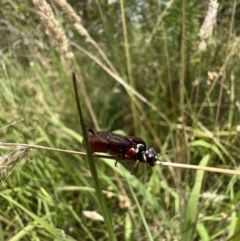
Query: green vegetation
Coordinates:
[144,68]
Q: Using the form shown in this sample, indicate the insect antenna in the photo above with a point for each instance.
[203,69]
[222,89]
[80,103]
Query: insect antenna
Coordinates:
[164,153]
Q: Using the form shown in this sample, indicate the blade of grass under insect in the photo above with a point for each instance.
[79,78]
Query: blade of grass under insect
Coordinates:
[150,238]
[191,211]
[97,186]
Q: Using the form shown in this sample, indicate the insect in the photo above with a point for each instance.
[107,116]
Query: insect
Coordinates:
[125,147]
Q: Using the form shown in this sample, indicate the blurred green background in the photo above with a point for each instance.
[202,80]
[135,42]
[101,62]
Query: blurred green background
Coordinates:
[140,73]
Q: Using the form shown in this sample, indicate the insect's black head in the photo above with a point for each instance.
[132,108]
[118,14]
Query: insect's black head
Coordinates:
[150,156]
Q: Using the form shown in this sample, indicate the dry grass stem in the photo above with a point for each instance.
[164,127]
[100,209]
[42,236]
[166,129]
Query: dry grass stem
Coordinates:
[53,28]
[17,155]
[8,161]
[196,167]
[208,24]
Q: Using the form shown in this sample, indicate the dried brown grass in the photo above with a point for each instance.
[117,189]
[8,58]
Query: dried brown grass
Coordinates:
[8,161]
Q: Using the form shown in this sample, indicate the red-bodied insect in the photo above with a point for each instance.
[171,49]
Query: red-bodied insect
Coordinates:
[126,147]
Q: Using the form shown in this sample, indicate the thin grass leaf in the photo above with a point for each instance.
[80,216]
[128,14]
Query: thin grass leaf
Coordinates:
[191,211]
[141,212]
[97,186]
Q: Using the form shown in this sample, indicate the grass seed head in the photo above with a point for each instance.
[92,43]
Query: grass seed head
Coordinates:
[54,30]
[8,161]
[208,24]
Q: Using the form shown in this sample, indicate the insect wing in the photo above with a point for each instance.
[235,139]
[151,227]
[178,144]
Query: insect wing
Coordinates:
[106,141]
[114,139]
[97,142]
[117,144]
[135,140]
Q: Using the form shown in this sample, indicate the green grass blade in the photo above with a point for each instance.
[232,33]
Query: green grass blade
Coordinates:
[140,210]
[97,186]
[191,211]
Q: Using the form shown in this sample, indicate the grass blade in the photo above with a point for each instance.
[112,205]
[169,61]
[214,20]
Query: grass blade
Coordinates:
[191,212]
[97,186]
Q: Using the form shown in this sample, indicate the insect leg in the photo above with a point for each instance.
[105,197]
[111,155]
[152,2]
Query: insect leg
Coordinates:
[134,166]
[117,159]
